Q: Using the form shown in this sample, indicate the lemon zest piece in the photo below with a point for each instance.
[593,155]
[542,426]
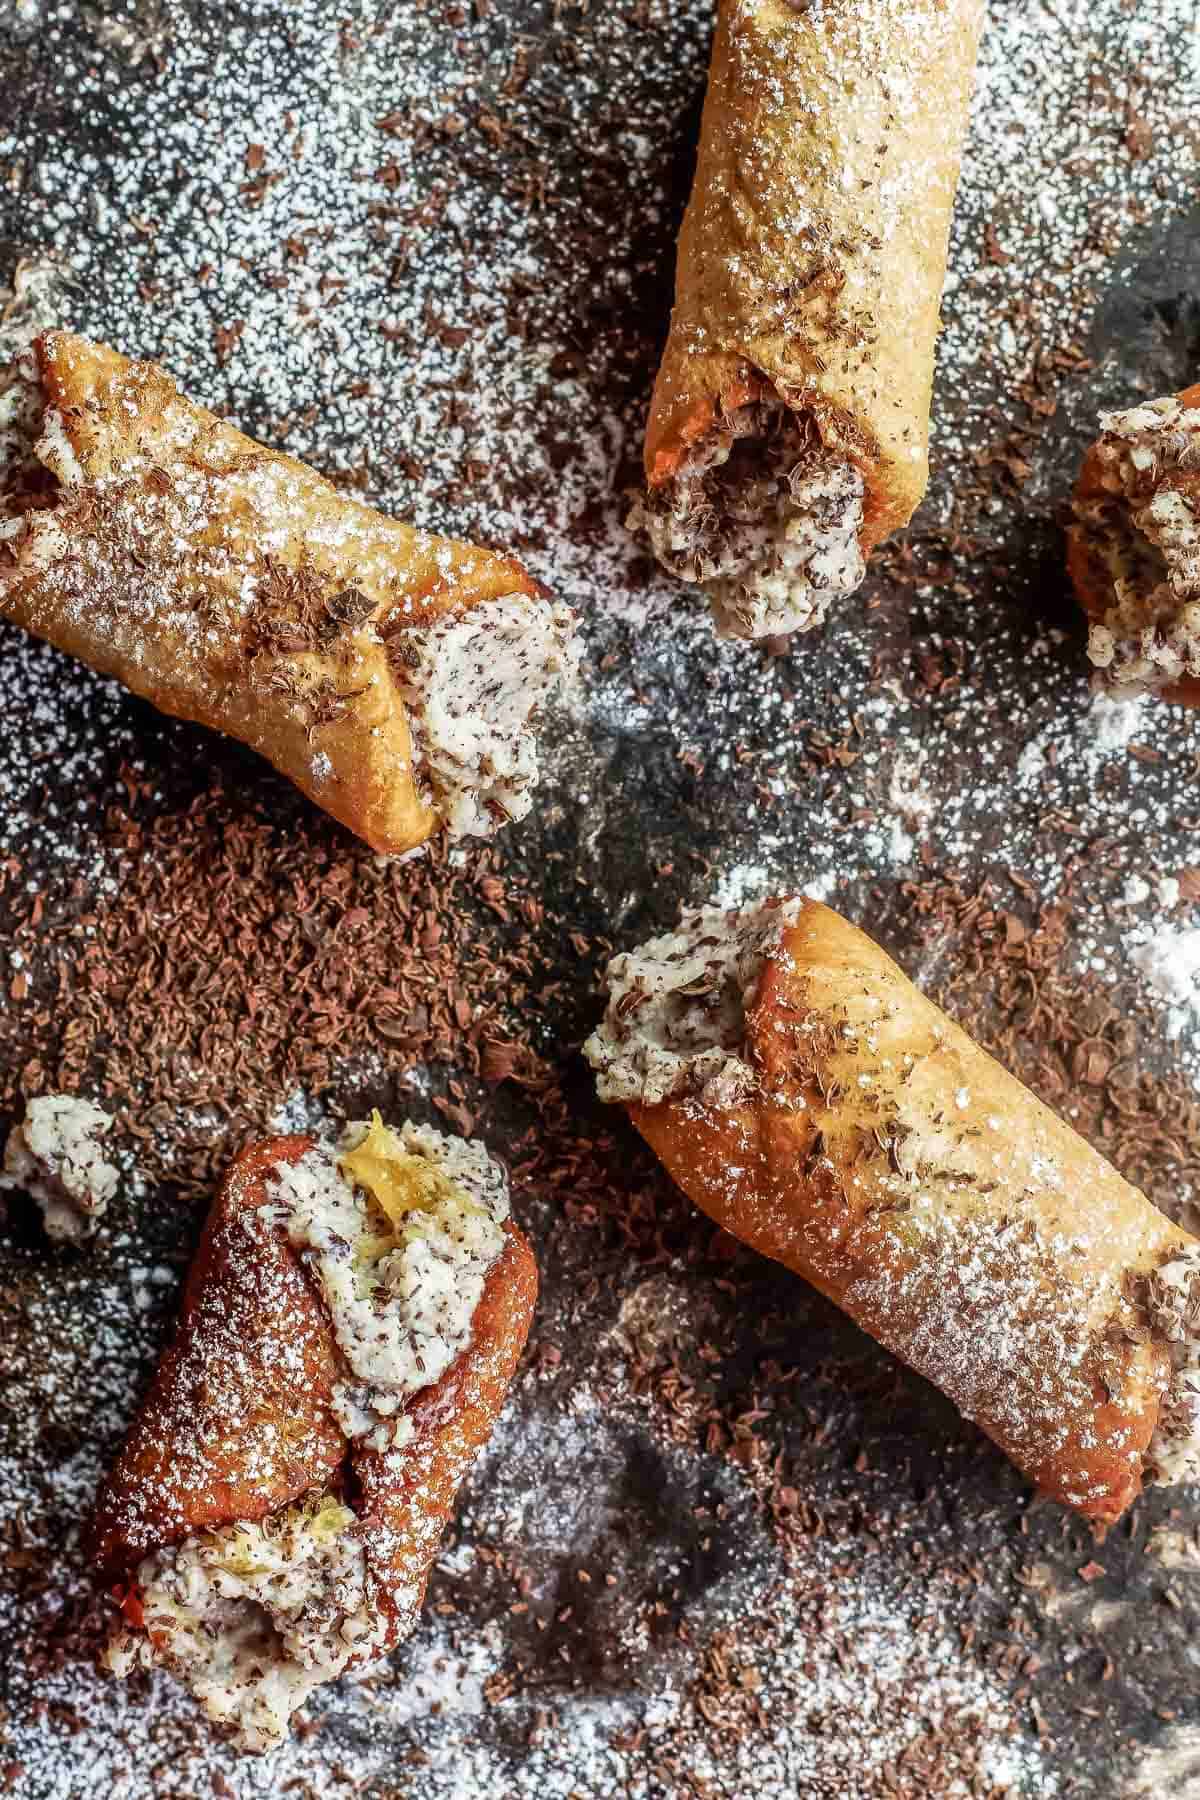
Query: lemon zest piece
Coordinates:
[399,1182]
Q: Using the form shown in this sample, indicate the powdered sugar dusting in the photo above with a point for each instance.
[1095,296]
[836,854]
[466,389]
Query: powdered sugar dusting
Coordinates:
[1169,958]
[459,312]
[544,1500]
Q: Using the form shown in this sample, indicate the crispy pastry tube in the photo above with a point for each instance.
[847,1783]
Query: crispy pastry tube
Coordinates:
[806,1096]
[274,1513]
[393,675]
[789,426]
[1133,550]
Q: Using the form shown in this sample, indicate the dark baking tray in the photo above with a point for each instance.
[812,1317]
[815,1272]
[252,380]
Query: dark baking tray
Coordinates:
[721,1545]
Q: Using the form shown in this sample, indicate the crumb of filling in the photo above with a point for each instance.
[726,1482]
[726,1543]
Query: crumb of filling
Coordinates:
[475,684]
[255,1616]
[54,1156]
[1172,1303]
[763,520]
[676,1017]
[399,1228]
[1143,531]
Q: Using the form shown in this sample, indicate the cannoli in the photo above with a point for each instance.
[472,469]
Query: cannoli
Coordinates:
[1134,549]
[349,1330]
[393,675]
[789,425]
[806,1096]
[54,1155]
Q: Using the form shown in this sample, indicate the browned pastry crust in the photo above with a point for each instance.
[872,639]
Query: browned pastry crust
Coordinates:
[238,1421]
[813,250]
[231,585]
[879,1152]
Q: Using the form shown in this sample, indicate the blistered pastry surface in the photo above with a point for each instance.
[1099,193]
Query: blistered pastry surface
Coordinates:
[231,585]
[811,255]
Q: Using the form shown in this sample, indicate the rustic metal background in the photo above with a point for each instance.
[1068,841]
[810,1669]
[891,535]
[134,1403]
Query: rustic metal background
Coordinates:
[126,139]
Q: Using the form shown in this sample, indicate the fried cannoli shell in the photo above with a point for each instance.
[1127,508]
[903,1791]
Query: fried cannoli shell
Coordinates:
[913,1180]
[303,675]
[1089,576]
[407,1500]
[813,250]
[238,1421]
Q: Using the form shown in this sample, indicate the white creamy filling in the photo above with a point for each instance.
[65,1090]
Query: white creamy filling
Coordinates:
[36,462]
[400,1317]
[475,684]
[255,1616]
[1145,533]
[676,1016]
[1173,1305]
[767,525]
[54,1156]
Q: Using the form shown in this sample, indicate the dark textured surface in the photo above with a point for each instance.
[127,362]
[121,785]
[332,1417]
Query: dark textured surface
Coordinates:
[683,761]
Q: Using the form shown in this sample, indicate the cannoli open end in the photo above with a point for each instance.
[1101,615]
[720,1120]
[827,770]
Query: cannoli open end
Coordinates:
[397,677]
[1133,549]
[764,518]
[365,1307]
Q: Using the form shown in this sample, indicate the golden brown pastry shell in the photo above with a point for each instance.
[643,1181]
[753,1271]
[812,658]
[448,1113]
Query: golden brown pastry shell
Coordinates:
[840,318]
[263,513]
[231,1429]
[806,1181]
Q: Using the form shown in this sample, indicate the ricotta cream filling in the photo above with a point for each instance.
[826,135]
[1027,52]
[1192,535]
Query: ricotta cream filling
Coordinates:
[475,684]
[1173,1307]
[1144,532]
[401,1263]
[22,405]
[54,1155]
[763,521]
[676,1016]
[255,1616]
[400,1229]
